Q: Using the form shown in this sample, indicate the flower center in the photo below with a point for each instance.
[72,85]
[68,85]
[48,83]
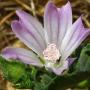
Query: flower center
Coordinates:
[51,53]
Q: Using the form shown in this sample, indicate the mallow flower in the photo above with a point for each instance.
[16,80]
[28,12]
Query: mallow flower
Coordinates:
[51,43]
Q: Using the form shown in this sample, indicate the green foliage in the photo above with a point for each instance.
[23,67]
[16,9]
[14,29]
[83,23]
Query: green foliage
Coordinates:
[25,76]
[69,81]
[12,70]
[84,60]
[45,81]
[16,72]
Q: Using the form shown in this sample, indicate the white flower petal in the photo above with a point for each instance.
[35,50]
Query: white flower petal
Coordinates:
[60,70]
[33,25]
[65,18]
[70,32]
[51,22]
[81,37]
[26,37]
[23,55]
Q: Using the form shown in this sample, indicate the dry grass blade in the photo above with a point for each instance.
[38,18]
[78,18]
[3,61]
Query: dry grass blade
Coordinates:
[25,6]
[33,8]
[6,18]
[6,3]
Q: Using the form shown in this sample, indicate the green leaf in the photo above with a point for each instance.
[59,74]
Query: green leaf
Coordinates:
[68,81]
[44,81]
[17,73]
[84,83]
[13,71]
[84,60]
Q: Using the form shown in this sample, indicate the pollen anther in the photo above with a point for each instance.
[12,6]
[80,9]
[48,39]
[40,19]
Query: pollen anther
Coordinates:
[51,53]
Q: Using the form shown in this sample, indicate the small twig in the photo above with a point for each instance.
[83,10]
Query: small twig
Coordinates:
[23,5]
[8,33]
[7,41]
[33,8]
[6,18]
[6,3]
[11,8]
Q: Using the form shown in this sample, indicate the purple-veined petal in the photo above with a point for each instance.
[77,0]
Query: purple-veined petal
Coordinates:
[70,61]
[61,69]
[84,33]
[26,37]
[33,25]
[21,54]
[75,35]
[76,27]
[65,18]
[51,23]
